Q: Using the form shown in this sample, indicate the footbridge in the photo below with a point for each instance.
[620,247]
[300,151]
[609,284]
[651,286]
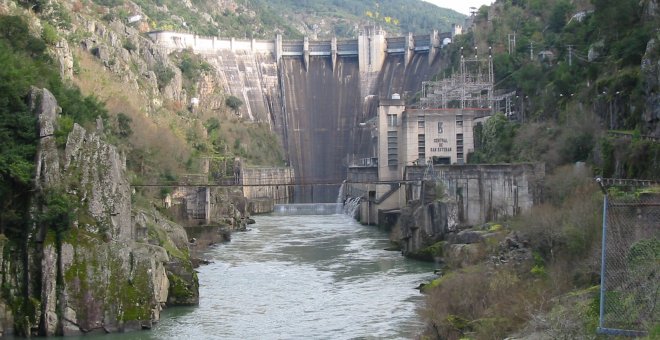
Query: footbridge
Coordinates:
[371,47]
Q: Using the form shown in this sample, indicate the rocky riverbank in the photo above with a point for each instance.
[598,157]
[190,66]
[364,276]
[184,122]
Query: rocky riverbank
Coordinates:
[92,262]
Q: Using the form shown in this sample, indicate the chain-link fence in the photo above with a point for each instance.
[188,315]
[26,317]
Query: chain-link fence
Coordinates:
[630,276]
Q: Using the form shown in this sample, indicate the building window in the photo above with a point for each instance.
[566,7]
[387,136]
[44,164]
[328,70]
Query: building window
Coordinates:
[392,148]
[459,120]
[420,123]
[459,147]
[392,120]
[421,146]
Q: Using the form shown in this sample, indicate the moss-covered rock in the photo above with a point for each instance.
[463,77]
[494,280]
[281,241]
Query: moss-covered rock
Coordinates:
[431,253]
[183,290]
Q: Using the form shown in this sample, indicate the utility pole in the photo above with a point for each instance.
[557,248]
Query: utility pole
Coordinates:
[570,55]
[512,41]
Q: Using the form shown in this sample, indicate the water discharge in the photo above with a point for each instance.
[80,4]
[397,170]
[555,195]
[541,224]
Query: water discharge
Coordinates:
[351,206]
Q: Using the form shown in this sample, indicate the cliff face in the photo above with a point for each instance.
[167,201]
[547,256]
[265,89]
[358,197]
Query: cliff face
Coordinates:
[651,73]
[90,263]
[425,222]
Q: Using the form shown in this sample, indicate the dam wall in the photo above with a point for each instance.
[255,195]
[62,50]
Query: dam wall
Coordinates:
[371,46]
[316,95]
[321,106]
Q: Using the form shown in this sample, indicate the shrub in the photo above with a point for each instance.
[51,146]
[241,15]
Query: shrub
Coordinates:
[109,3]
[58,210]
[164,75]
[64,127]
[49,34]
[192,66]
[212,124]
[124,129]
[233,102]
[475,302]
[129,45]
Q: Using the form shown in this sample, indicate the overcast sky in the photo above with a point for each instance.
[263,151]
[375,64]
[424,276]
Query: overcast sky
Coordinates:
[461,6]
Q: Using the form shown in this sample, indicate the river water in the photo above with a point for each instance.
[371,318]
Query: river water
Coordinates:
[301,277]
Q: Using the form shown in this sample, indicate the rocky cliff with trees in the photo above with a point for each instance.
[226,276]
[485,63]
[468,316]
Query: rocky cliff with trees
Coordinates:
[85,108]
[585,75]
[80,259]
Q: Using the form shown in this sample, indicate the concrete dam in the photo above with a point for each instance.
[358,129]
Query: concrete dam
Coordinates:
[317,94]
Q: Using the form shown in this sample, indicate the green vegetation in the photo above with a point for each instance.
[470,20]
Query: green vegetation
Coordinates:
[261,19]
[394,15]
[59,210]
[192,67]
[583,105]
[25,63]
[49,34]
[568,102]
[179,289]
[494,141]
[431,252]
[233,102]
[164,75]
[255,145]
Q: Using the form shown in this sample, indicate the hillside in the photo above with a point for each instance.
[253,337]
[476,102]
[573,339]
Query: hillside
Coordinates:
[343,18]
[292,18]
[586,78]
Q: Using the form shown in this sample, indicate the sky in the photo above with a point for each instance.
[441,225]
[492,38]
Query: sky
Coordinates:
[461,6]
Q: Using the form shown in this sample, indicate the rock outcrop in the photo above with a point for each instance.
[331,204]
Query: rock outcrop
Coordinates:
[651,74]
[91,264]
[139,63]
[425,222]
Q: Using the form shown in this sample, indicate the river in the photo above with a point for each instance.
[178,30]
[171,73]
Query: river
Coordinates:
[301,277]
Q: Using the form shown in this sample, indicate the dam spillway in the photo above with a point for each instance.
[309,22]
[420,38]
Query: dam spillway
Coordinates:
[316,94]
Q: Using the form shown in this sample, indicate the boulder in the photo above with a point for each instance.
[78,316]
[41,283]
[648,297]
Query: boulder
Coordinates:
[466,237]
[103,53]
[463,255]
[422,225]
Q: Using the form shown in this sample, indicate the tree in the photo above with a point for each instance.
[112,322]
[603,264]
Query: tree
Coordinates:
[234,103]
[559,14]
[124,125]
[164,75]
[212,124]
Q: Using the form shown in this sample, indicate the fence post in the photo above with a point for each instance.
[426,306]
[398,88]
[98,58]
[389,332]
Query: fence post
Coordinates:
[602,263]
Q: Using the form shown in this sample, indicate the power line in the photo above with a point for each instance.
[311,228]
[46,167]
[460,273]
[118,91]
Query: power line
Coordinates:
[285,184]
